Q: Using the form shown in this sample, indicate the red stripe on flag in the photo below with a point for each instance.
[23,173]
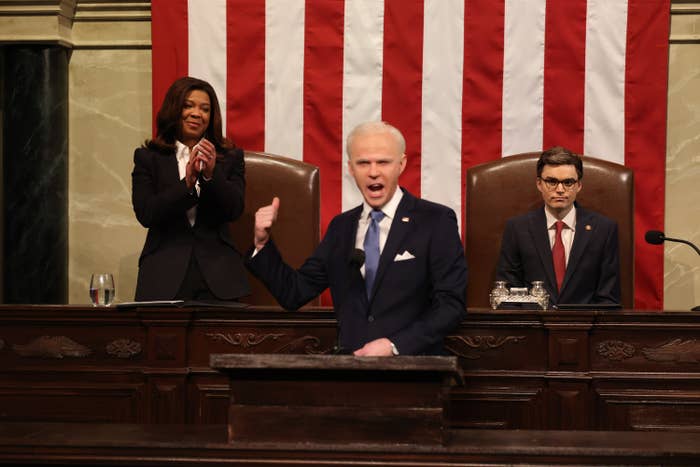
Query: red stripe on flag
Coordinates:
[564,74]
[323,103]
[323,100]
[482,94]
[648,24]
[402,87]
[169,55]
[245,73]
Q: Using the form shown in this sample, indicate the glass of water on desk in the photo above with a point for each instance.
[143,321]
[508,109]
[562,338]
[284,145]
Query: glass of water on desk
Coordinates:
[101,289]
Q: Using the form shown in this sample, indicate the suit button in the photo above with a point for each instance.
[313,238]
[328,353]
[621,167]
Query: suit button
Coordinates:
[370,319]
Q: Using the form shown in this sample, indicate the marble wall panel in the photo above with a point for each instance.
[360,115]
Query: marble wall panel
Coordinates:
[681,263]
[110,115]
[682,204]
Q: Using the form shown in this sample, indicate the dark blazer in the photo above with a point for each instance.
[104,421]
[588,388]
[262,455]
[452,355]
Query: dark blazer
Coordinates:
[415,302]
[161,200]
[592,273]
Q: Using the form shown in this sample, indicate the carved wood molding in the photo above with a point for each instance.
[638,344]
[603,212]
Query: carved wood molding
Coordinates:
[677,350]
[480,344]
[310,345]
[52,347]
[674,351]
[123,348]
[307,344]
[242,339]
[615,350]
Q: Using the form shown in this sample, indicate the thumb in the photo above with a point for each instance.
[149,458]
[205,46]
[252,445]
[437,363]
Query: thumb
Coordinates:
[275,205]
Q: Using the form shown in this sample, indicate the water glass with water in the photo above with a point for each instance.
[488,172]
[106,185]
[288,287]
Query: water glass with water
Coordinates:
[102,289]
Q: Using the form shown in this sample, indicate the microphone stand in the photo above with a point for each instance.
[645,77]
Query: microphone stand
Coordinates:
[657,237]
[697,250]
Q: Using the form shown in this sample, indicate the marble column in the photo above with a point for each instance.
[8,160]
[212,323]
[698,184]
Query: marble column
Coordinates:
[35,173]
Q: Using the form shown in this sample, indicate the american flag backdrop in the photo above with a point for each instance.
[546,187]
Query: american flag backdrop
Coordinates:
[466,81]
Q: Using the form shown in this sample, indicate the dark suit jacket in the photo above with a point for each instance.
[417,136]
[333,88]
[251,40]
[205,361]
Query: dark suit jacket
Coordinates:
[415,302]
[593,270]
[161,200]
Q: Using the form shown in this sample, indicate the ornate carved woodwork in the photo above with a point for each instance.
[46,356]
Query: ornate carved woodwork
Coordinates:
[620,370]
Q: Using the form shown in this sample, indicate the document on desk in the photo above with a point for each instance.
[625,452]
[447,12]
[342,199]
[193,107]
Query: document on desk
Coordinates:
[151,303]
[183,304]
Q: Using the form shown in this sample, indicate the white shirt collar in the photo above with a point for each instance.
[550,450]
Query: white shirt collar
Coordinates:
[389,209]
[569,219]
[181,150]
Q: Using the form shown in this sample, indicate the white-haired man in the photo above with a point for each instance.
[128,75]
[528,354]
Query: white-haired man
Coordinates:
[409,291]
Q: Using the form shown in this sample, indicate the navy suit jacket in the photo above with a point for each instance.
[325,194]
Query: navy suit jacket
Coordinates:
[161,200]
[592,273]
[415,302]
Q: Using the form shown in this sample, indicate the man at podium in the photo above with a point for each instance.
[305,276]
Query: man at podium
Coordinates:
[394,264]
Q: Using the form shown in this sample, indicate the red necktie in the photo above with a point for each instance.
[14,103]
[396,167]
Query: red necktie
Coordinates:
[558,255]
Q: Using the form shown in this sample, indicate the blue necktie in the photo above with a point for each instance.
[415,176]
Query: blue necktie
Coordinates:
[371,246]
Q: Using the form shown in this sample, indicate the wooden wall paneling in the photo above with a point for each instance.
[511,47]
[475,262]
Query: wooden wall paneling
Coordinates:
[208,398]
[491,401]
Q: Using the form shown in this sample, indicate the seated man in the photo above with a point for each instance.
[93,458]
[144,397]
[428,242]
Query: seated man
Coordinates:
[395,264]
[574,251]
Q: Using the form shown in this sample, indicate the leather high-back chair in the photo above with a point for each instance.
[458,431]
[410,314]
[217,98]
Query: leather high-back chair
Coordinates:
[504,188]
[297,229]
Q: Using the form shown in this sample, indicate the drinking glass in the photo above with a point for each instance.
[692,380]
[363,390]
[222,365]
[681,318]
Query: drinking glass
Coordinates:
[102,289]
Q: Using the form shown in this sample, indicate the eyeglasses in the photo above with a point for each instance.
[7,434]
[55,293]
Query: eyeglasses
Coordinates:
[553,183]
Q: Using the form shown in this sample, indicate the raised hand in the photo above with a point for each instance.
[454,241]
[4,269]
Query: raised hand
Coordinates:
[264,218]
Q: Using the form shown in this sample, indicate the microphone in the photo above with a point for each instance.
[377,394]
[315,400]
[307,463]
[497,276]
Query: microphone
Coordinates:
[656,237]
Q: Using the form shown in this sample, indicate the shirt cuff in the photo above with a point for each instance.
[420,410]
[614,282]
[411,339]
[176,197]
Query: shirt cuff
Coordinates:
[394,350]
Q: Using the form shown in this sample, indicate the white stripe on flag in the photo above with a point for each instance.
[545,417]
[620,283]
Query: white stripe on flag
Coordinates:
[363,54]
[206,29]
[441,125]
[523,76]
[604,104]
[284,78]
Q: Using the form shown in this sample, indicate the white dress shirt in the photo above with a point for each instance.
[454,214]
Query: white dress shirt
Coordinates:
[389,210]
[567,233]
[182,153]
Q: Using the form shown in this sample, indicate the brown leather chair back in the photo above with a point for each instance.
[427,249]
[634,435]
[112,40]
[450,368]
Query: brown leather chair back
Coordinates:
[504,188]
[297,229]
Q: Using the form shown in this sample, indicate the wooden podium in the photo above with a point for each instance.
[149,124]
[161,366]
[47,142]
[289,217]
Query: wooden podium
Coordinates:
[338,398]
